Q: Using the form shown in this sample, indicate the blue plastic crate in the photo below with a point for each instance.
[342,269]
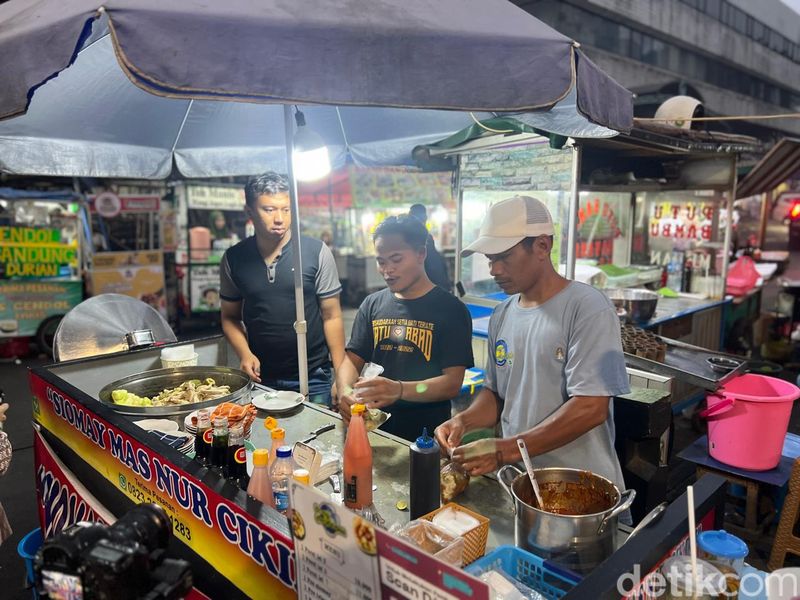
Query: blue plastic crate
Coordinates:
[526,568]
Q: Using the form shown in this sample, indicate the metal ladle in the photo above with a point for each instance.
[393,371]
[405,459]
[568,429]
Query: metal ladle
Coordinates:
[523,449]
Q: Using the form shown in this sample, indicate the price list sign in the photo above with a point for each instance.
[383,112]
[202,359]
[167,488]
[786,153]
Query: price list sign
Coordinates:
[335,549]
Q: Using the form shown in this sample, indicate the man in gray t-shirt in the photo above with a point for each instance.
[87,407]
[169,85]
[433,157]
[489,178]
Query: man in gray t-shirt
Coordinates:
[555,357]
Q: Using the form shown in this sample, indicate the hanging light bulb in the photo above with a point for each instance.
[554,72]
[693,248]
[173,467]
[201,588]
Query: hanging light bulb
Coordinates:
[310,156]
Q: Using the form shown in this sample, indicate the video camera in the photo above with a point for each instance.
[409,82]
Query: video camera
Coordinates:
[126,560]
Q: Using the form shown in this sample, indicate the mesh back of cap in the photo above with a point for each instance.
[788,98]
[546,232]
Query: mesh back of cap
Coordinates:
[535,211]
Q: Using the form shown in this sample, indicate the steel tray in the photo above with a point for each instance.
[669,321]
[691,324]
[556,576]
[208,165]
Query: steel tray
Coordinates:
[150,383]
[690,364]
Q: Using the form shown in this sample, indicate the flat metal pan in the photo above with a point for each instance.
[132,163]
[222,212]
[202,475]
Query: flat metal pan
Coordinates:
[150,383]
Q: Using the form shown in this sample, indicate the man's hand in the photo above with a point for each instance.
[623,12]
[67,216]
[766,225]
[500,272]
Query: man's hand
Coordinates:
[346,402]
[449,434]
[378,392]
[252,366]
[3,409]
[481,457]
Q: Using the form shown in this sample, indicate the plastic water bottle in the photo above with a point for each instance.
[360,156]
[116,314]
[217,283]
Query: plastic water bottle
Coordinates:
[424,473]
[281,474]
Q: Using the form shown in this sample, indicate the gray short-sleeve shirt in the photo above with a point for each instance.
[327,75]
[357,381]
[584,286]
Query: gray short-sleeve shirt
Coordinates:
[540,357]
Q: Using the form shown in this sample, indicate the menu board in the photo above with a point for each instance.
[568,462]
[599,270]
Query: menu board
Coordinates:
[339,555]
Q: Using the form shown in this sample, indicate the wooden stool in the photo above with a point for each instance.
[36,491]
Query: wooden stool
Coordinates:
[754,526]
[785,540]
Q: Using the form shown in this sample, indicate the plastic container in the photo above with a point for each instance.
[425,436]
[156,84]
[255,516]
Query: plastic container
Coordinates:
[748,419]
[278,436]
[191,361]
[722,548]
[435,541]
[280,474]
[474,539]
[260,486]
[27,548]
[526,568]
[677,570]
[424,472]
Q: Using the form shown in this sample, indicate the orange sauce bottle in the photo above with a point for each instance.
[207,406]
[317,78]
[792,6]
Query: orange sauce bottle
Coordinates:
[357,465]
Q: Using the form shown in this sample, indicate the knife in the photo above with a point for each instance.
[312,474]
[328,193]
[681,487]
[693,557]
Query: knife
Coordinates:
[317,432]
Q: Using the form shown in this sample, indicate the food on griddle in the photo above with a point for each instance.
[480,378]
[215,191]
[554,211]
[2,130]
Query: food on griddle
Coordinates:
[189,392]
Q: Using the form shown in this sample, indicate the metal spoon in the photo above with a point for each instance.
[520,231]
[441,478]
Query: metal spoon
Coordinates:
[523,449]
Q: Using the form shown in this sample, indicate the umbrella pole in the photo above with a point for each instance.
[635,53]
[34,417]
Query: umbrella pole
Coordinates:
[300,324]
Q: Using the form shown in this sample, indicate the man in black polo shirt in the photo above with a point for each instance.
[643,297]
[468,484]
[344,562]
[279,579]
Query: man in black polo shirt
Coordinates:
[258,299]
[419,333]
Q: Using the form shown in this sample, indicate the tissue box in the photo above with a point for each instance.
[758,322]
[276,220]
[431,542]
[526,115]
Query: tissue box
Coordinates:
[474,539]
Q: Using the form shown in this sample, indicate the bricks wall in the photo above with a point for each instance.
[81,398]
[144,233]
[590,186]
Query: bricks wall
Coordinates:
[527,168]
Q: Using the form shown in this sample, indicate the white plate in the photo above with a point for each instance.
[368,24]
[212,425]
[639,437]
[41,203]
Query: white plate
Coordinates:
[163,425]
[277,401]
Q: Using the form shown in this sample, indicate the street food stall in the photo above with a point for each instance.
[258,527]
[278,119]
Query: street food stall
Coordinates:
[42,256]
[94,460]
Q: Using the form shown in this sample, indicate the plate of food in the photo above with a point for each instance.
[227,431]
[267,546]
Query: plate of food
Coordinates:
[162,425]
[277,401]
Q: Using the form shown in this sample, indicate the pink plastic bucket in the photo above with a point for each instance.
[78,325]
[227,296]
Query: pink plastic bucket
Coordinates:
[748,419]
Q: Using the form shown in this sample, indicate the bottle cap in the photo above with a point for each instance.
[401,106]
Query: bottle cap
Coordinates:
[260,457]
[285,452]
[302,476]
[221,421]
[425,441]
[278,433]
[357,409]
[270,423]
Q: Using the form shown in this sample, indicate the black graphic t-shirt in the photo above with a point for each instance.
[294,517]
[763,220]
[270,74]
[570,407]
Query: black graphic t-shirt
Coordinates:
[413,340]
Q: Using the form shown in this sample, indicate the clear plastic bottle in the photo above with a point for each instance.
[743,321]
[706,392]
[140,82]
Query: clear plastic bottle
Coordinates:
[281,474]
[357,464]
[260,486]
[278,437]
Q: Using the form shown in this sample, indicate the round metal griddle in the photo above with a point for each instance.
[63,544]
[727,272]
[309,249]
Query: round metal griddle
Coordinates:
[100,325]
[151,383]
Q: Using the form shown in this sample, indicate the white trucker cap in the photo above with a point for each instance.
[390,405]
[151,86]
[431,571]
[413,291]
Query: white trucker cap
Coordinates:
[510,221]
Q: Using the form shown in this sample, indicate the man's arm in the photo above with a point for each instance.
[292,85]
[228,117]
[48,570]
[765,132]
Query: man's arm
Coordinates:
[346,376]
[380,391]
[483,412]
[333,326]
[574,418]
[233,328]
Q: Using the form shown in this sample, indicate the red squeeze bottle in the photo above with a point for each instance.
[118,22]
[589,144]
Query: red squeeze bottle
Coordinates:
[357,465]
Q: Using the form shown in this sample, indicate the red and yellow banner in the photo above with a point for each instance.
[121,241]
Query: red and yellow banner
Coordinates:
[255,558]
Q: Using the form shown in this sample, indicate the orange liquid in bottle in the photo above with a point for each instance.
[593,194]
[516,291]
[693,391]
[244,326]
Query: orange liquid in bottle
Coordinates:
[260,486]
[357,465]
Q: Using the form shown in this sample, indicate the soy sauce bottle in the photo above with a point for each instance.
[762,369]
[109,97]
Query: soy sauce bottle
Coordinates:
[219,443]
[202,445]
[236,463]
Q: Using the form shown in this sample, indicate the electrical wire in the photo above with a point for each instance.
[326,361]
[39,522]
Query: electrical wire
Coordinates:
[489,129]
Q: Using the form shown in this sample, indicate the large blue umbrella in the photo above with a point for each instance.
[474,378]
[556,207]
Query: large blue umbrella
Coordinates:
[454,55]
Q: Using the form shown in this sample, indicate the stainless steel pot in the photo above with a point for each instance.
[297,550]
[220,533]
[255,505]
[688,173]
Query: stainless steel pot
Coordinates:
[150,383]
[579,543]
[638,306]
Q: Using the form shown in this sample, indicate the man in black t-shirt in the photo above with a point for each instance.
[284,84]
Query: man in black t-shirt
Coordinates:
[258,297]
[420,334]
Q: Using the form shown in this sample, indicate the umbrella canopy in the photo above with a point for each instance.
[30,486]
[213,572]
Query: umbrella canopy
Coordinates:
[478,55]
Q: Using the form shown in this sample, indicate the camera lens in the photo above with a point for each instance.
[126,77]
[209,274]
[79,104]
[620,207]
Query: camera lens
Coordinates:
[146,524]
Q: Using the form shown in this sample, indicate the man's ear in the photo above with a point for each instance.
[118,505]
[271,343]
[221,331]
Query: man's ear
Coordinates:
[545,243]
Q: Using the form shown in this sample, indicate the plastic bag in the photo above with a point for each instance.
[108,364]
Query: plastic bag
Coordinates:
[454,480]
[742,276]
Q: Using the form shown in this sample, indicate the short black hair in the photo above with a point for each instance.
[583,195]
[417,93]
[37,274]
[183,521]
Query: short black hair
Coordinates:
[419,211]
[269,183]
[410,229]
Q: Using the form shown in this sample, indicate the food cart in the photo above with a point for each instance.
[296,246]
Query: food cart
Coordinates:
[41,263]
[95,462]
